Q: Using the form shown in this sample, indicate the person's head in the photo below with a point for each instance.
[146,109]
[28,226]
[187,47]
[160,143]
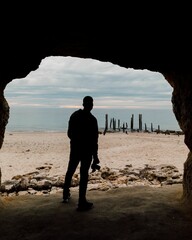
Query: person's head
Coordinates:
[88,103]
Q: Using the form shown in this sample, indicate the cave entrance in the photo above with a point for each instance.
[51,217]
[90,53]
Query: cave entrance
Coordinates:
[43,101]
[54,90]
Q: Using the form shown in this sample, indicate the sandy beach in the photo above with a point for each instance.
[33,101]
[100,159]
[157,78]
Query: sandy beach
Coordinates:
[23,152]
[138,212]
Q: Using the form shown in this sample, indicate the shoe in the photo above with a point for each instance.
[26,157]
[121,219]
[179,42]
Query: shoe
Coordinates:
[66,197]
[84,206]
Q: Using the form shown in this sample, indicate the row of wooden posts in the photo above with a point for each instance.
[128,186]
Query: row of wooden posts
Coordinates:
[115,125]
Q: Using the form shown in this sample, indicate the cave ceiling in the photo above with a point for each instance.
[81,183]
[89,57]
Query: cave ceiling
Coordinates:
[161,47]
[22,52]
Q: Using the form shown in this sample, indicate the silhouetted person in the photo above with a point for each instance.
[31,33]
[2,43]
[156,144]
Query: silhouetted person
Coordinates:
[83,134]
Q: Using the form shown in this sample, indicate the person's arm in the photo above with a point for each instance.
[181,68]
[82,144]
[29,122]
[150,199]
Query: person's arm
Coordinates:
[69,131]
[96,136]
[95,165]
[96,160]
[71,125]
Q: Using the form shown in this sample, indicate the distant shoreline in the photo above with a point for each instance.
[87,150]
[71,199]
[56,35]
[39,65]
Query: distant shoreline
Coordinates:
[101,131]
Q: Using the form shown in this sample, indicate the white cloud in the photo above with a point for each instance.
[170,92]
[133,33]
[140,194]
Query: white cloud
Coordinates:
[64,81]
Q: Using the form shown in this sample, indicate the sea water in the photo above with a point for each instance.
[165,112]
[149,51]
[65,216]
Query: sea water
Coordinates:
[56,119]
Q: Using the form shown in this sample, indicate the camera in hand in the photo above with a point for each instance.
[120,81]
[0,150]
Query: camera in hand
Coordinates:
[95,166]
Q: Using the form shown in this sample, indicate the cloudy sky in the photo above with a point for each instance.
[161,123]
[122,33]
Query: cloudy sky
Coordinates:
[62,82]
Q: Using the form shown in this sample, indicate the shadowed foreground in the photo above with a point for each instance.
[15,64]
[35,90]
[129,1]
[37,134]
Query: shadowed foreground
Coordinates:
[124,213]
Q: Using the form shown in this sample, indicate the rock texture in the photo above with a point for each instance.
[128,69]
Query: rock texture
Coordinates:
[41,182]
[153,44]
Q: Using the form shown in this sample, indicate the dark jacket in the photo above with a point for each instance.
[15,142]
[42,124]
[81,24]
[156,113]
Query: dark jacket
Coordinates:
[83,132]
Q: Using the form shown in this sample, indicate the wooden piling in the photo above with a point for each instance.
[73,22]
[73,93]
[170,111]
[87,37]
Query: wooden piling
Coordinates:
[114,124]
[151,127]
[111,122]
[145,127]
[132,122]
[140,122]
[119,125]
[106,124]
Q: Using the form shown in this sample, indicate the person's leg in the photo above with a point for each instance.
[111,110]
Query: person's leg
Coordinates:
[84,175]
[72,165]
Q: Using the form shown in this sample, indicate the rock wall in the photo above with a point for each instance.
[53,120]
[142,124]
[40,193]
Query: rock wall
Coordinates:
[4,116]
[23,50]
[182,102]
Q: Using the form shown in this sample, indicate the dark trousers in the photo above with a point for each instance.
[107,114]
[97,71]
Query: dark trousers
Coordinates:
[85,160]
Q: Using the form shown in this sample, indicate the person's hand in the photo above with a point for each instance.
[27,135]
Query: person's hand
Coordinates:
[96,159]
[95,163]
